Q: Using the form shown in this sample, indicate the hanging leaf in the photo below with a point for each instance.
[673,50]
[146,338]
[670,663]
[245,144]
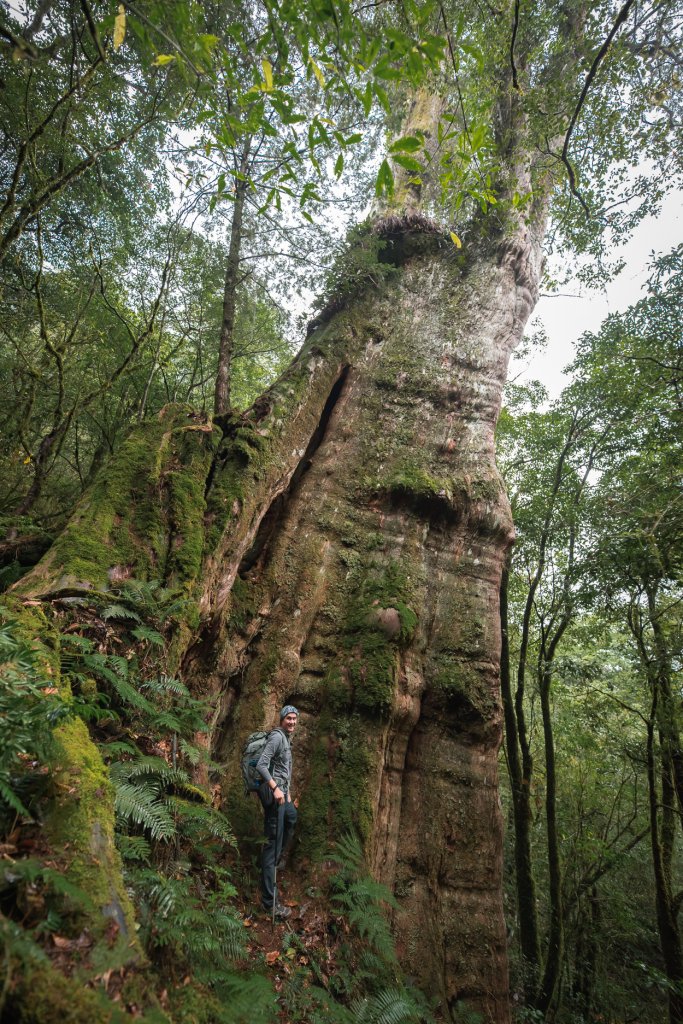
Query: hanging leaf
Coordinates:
[163,58]
[456,241]
[384,184]
[409,162]
[408,144]
[120,27]
[317,72]
[267,74]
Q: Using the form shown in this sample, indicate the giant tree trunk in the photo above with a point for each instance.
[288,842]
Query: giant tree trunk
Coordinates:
[354,533]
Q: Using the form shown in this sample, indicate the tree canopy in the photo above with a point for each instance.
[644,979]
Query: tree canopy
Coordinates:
[179,183]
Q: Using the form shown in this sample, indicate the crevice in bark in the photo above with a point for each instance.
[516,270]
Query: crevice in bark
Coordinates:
[202,659]
[257,555]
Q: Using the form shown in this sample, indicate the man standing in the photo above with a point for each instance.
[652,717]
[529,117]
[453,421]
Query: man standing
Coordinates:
[275,768]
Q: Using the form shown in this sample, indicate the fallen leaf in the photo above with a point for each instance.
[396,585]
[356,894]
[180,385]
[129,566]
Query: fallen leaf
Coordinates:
[272,957]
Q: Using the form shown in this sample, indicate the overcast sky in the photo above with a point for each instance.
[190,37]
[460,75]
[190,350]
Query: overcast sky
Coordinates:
[566,316]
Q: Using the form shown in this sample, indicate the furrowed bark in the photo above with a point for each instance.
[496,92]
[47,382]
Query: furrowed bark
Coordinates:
[343,545]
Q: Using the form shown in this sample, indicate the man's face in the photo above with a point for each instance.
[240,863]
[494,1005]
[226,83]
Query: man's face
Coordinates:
[288,723]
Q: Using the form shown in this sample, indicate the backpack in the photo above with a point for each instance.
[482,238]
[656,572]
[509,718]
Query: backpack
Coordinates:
[251,752]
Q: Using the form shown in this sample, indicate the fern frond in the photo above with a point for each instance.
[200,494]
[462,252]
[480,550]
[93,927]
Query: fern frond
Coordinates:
[348,853]
[191,753]
[119,611]
[32,871]
[390,1006]
[169,684]
[82,644]
[134,848]
[117,747]
[152,636]
[199,820]
[115,671]
[8,796]
[247,998]
[142,805]
[148,765]
[166,721]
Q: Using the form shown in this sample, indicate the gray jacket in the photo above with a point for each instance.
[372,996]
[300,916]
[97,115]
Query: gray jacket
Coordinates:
[275,761]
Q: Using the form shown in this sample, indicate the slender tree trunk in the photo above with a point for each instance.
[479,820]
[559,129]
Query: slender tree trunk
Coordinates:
[520,783]
[48,448]
[555,950]
[587,951]
[662,834]
[222,392]
[668,714]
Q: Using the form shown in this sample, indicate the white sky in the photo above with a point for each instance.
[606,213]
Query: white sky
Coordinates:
[566,316]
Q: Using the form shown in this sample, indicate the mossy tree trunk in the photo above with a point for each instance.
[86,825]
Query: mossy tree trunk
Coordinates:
[342,545]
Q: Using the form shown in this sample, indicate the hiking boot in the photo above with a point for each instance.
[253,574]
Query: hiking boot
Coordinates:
[281,911]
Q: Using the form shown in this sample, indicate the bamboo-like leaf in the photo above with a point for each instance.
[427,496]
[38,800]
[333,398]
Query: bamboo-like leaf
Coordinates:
[317,72]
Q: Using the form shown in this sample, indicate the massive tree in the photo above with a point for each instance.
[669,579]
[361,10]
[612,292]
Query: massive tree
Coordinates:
[340,544]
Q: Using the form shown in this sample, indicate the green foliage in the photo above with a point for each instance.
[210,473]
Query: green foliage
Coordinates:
[361,983]
[595,630]
[360,265]
[30,708]
[198,934]
[363,901]
[369,975]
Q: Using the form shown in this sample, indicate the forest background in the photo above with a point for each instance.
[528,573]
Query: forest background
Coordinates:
[174,178]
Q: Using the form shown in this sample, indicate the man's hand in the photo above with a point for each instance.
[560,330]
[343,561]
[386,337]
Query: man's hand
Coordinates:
[278,795]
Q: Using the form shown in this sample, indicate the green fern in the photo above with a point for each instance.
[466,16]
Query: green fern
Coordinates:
[198,930]
[143,805]
[197,821]
[134,848]
[164,684]
[246,999]
[31,873]
[150,600]
[152,636]
[362,900]
[115,671]
[28,713]
[9,795]
[119,611]
[164,802]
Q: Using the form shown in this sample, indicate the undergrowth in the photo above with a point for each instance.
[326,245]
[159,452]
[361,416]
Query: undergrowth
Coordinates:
[172,841]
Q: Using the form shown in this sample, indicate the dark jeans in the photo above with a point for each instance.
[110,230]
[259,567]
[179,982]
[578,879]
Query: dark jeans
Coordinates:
[278,826]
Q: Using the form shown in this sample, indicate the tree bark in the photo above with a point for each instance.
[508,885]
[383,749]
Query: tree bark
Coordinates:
[226,345]
[661,838]
[354,528]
